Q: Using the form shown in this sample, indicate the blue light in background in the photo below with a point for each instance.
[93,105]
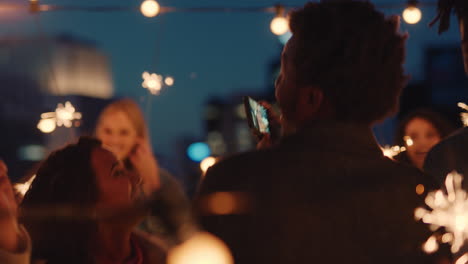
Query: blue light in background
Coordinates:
[198,151]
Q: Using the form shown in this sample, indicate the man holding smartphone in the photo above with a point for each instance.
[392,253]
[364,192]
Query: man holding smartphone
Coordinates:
[325,193]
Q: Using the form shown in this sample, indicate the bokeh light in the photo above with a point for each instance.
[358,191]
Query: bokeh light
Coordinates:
[169,81]
[198,151]
[150,8]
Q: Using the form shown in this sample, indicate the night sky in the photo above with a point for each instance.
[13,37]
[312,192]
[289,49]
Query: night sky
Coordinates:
[208,54]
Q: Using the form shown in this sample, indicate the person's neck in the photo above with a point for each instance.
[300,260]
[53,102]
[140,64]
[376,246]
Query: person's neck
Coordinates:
[113,244]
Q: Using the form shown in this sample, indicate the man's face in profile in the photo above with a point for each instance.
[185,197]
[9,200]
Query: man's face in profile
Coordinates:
[286,84]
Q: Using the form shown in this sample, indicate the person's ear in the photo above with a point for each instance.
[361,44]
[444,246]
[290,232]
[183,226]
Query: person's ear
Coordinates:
[310,102]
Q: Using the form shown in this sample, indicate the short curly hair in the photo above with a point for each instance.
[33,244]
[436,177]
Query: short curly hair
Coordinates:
[354,54]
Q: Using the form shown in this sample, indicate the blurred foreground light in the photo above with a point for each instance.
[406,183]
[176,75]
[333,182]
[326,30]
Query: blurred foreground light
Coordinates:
[202,248]
[206,163]
[225,203]
[198,151]
[412,15]
[169,81]
[150,8]
[46,125]
[279,25]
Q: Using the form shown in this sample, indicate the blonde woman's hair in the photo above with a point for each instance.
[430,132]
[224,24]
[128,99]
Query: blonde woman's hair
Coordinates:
[131,109]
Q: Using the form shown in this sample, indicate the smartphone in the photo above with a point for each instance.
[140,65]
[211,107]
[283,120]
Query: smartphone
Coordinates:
[257,117]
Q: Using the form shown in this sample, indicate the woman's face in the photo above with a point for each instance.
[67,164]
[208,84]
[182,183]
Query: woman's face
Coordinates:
[420,137]
[116,185]
[117,132]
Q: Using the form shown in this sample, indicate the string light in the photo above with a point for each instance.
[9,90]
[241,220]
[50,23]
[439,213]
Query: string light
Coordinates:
[63,116]
[150,8]
[412,14]
[280,24]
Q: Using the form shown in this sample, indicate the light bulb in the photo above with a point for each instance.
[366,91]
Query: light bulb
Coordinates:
[412,15]
[279,25]
[150,8]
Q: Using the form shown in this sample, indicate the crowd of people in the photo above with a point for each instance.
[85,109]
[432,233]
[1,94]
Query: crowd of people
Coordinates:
[321,193]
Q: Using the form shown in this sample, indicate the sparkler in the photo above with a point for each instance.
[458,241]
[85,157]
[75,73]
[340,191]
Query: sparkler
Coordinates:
[63,116]
[449,210]
[392,151]
[464,115]
[155,82]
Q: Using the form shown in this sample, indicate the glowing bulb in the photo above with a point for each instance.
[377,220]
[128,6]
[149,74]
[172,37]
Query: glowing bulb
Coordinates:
[279,25]
[150,8]
[202,248]
[46,125]
[412,15]
[169,81]
[207,163]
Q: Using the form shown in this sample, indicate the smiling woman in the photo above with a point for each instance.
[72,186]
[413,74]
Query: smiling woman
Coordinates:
[419,131]
[82,189]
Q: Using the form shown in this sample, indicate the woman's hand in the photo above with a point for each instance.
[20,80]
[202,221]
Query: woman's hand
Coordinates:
[146,166]
[9,239]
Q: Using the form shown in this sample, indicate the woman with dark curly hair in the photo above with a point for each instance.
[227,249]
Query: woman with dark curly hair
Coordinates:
[84,205]
[419,131]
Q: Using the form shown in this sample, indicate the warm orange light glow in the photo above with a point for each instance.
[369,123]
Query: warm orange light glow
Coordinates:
[202,248]
[420,189]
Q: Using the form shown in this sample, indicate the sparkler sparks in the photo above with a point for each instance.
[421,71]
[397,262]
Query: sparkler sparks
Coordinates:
[449,210]
[392,151]
[155,82]
[22,188]
[63,116]
[464,115]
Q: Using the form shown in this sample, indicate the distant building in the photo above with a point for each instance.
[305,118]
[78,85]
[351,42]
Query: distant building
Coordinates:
[35,75]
